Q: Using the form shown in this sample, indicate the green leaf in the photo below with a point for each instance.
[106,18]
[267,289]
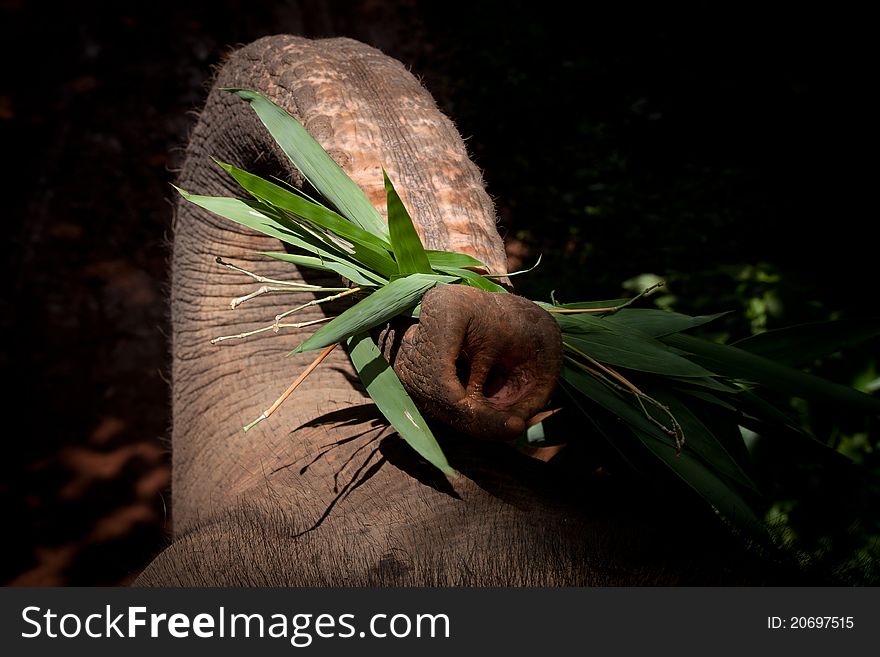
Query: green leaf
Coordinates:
[803,344]
[725,426]
[593,389]
[704,396]
[702,477]
[313,162]
[700,440]
[278,196]
[357,276]
[387,392]
[408,249]
[740,364]
[583,305]
[518,273]
[657,323]
[399,295]
[450,259]
[708,382]
[251,214]
[624,347]
[606,424]
[264,219]
[316,220]
[715,490]
[473,279]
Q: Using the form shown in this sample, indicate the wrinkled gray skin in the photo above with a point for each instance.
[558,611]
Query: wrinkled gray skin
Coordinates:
[323,493]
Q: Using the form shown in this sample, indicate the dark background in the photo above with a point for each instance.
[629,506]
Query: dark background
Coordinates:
[732,152]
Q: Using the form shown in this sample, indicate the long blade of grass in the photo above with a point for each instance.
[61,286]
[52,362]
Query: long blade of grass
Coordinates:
[314,163]
[250,215]
[441,259]
[657,323]
[355,275]
[473,279]
[264,219]
[803,344]
[383,304]
[278,196]
[641,355]
[740,364]
[408,249]
[593,389]
[584,305]
[388,393]
[702,441]
[691,469]
[714,489]
[708,382]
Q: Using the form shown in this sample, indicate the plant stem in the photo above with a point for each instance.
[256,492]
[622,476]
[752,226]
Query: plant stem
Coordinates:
[316,302]
[267,289]
[293,386]
[272,327]
[263,279]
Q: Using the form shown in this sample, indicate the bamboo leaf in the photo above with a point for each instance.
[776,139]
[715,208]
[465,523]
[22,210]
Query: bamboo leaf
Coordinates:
[279,197]
[441,259]
[725,426]
[657,323]
[473,279]
[803,344]
[606,424]
[399,295]
[709,485]
[702,441]
[386,390]
[692,470]
[264,219]
[711,383]
[740,364]
[250,215]
[583,305]
[625,347]
[521,271]
[314,163]
[408,249]
[356,275]
[593,389]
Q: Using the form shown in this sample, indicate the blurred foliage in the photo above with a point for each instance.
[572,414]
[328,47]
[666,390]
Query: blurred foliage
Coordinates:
[724,160]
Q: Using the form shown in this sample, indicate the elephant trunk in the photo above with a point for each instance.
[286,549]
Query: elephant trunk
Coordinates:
[369,113]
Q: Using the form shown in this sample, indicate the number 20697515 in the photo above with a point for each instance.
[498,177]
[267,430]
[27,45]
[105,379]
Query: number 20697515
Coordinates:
[810,623]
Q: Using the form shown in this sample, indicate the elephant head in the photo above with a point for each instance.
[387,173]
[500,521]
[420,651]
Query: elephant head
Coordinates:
[322,493]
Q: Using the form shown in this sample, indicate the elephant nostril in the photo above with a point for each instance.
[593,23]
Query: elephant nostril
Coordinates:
[496,380]
[463,370]
[504,387]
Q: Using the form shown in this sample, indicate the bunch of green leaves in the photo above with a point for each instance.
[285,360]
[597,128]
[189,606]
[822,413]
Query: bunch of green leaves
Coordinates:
[347,236]
[638,374]
[640,379]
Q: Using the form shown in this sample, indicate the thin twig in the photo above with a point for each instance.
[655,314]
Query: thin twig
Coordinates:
[293,386]
[263,279]
[316,302]
[607,370]
[267,289]
[275,326]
